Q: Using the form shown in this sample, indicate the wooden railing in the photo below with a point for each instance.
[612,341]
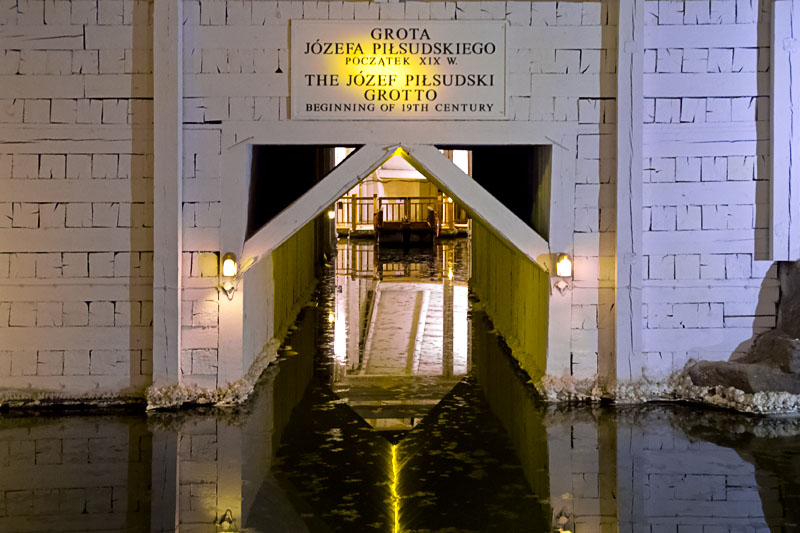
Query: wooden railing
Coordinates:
[357,212]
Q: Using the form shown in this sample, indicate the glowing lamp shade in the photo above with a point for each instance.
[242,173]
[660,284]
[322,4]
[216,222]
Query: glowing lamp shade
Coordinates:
[229,266]
[331,214]
[564,266]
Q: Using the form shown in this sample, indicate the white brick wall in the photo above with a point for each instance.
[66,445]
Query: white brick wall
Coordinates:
[705,198]
[76,260]
[75,93]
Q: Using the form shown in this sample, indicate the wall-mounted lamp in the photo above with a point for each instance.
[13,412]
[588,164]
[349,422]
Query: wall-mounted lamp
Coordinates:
[564,266]
[563,522]
[227,522]
[563,273]
[228,278]
[331,214]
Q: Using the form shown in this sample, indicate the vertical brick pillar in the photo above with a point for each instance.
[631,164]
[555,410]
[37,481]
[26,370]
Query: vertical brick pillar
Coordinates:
[167,194]
[628,305]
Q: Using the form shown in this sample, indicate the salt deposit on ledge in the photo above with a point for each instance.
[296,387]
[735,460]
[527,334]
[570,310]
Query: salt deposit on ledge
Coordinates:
[677,387]
[232,394]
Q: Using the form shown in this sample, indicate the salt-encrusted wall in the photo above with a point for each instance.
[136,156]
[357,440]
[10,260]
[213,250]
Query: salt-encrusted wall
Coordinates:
[708,286]
[76,192]
[76,166]
[561,64]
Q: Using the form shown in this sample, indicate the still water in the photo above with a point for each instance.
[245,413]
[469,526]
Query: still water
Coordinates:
[394,407]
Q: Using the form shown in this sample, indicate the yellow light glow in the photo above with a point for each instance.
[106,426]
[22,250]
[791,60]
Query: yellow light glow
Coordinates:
[331,317]
[564,266]
[229,266]
[450,274]
[331,214]
[346,71]
[395,495]
[449,200]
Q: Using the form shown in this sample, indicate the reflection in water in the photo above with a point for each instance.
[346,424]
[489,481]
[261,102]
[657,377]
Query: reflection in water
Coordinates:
[476,452]
[398,315]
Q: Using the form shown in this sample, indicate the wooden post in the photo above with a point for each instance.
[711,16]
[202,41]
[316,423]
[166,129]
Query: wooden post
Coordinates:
[353,212]
[451,208]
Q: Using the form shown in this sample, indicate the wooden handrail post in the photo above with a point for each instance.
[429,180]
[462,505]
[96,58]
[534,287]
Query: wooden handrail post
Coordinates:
[451,213]
[353,211]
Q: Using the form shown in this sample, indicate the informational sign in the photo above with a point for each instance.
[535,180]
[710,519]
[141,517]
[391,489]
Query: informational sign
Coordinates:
[415,70]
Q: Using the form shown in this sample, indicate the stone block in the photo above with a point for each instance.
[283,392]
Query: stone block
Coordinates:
[662,267]
[205,264]
[84,12]
[98,499]
[22,314]
[101,265]
[714,169]
[22,266]
[24,215]
[32,62]
[110,12]
[743,109]
[36,112]
[11,111]
[89,112]
[668,110]
[25,166]
[76,314]
[19,502]
[76,362]
[49,363]
[115,111]
[239,12]
[9,61]
[101,313]
[58,62]
[718,110]
[104,166]
[57,12]
[49,314]
[48,265]
[105,215]
[50,215]
[75,265]
[664,218]
[5,371]
[669,60]
[109,363]
[79,215]
[204,362]
[720,59]
[79,166]
[23,363]
[737,266]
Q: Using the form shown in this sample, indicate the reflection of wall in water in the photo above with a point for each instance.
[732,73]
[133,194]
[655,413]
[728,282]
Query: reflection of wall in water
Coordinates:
[91,474]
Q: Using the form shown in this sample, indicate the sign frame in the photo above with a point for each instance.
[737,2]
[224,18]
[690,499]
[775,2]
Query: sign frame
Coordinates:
[322,76]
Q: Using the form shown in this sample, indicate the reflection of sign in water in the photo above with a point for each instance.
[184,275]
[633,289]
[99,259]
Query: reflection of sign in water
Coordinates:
[398,70]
